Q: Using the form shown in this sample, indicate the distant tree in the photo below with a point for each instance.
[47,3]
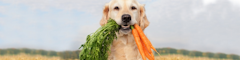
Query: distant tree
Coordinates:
[172,51]
[164,51]
[167,50]
[37,52]
[33,52]
[59,54]
[159,51]
[26,50]
[179,52]
[222,55]
[197,53]
[21,50]
[235,57]
[53,53]
[8,52]
[185,52]
[229,56]
[216,55]
[14,51]
[204,54]
[3,52]
[78,51]
[17,51]
[48,53]
[41,52]
[44,53]
[191,53]
[74,55]
[66,55]
[210,55]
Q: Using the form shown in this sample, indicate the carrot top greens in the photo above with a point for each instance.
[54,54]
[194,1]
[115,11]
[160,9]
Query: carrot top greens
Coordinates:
[98,43]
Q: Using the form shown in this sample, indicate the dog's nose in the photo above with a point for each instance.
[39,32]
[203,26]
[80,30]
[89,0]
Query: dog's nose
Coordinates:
[126,18]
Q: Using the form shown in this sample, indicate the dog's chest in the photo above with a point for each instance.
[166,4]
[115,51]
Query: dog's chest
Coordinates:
[124,48]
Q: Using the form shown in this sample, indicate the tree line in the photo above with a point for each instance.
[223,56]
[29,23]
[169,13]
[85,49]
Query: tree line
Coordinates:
[166,51]
[75,54]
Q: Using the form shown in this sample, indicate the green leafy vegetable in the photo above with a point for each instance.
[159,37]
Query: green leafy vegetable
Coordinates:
[98,43]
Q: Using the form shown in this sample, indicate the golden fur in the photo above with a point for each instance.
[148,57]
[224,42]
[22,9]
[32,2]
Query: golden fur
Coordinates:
[124,47]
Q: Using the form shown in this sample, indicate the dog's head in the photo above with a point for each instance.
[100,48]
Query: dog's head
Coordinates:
[125,13]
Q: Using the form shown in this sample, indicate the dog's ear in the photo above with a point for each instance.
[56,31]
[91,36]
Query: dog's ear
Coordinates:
[143,18]
[105,16]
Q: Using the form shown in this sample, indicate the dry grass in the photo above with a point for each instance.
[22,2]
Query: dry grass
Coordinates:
[181,57]
[39,57]
[27,57]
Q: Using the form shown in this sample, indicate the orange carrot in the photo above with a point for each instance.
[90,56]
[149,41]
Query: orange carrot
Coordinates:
[138,42]
[152,55]
[146,52]
[145,39]
[151,47]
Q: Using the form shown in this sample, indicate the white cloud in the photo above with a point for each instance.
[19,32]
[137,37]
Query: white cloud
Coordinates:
[235,2]
[199,10]
[206,2]
[196,22]
[90,6]
[142,1]
[82,34]
[40,30]
[1,35]
[172,21]
[86,30]
[2,9]
[1,21]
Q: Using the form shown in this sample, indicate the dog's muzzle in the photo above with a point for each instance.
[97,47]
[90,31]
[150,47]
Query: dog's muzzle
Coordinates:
[125,25]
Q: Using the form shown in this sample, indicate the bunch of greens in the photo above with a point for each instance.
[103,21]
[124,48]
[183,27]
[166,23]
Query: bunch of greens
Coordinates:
[98,43]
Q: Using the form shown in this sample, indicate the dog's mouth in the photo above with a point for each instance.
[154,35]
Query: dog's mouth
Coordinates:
[125,29]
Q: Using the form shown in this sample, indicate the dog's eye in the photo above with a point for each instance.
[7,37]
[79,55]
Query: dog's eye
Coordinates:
[134,8]
[116,8]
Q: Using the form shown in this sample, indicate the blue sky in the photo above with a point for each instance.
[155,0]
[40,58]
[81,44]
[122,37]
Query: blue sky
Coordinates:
[204,25]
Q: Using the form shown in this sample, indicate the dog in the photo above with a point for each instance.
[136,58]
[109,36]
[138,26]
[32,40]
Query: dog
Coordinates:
[125,13]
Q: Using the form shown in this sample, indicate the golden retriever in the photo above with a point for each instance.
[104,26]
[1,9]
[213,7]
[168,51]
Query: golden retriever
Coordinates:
[125,13]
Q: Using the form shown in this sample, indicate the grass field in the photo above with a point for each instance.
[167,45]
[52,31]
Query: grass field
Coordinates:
[165,54]
[182,57]
[23,56]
